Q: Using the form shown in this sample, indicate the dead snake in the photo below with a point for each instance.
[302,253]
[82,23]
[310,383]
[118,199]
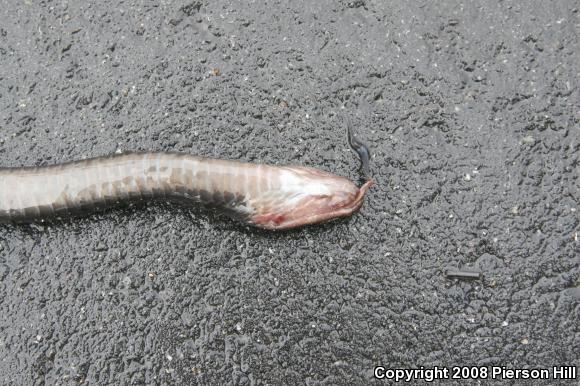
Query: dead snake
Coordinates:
[266,196]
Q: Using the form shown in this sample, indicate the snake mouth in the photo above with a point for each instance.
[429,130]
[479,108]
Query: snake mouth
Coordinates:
[295,219]
[358,200]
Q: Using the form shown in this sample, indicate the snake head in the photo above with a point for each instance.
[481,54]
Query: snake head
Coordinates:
[309,196]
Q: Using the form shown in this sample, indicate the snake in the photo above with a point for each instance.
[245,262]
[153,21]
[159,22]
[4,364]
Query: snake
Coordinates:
[265,196]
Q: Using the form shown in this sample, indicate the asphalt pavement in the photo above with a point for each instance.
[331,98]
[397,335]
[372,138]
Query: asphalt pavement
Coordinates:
[472,114]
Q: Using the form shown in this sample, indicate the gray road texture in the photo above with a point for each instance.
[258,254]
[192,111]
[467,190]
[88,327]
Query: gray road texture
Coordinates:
[472,113]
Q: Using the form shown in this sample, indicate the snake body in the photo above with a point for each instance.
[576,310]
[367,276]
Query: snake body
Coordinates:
[266,196]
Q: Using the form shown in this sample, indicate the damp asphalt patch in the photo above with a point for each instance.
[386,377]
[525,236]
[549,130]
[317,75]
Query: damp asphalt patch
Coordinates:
[470,111]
